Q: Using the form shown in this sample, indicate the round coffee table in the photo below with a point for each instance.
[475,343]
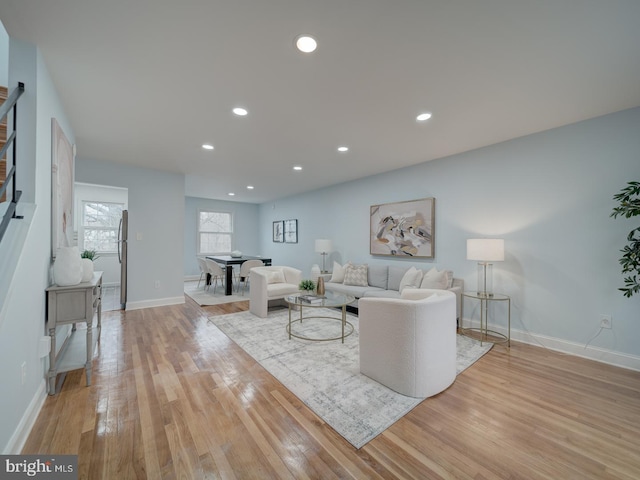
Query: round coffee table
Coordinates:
[329,300]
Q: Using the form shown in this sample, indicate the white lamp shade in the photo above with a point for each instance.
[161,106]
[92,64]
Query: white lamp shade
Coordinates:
[485,249]
[323,245]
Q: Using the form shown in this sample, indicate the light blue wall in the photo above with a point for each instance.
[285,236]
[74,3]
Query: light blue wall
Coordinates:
[245,222]
[22,317]
[156,226]
[549,195]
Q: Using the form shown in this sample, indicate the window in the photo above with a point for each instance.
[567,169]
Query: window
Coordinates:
[100,222]
[215,232]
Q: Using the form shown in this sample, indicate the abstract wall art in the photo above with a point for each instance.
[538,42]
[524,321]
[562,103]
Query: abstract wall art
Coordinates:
[403,229]
[62,157]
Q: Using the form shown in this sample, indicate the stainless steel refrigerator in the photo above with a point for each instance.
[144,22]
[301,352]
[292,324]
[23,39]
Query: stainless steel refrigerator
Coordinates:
[123,234]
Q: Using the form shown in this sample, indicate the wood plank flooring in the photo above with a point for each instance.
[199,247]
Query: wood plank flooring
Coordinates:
[172,397]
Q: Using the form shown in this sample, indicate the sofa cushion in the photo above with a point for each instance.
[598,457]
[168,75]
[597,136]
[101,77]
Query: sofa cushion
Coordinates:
[356,275]
[338,272]
[279,290]
[353,290]
[411,279]
[437,280]
[377,276]
[379,293]
[395,277]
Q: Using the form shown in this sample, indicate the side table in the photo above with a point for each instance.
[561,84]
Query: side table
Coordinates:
[484,304]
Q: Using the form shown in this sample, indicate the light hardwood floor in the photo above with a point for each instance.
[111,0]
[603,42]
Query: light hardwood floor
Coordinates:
[173,397]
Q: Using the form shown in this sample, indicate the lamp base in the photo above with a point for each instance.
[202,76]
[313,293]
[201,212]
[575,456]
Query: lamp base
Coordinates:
[485,279]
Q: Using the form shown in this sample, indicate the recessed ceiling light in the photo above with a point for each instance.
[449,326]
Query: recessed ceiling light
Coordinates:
[297,168]
[249,187]
[207,146]
[306,43]
[343,149]
[240,111]
[231,194]
[423,116]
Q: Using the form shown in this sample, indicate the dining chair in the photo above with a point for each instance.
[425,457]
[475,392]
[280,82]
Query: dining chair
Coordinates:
[245,268]
[216,273]
[203,270]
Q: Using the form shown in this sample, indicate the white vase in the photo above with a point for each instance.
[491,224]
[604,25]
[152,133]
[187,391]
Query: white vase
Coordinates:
[315,272]
[67,267]
[87,269]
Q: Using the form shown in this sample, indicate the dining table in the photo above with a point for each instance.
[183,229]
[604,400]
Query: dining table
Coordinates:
[228,261]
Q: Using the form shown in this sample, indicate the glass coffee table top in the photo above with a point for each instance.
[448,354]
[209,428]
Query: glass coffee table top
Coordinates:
[329,299]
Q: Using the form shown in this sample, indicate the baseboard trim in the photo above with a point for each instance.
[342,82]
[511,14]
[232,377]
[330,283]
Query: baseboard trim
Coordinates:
[159,302]
[19,437]
[610,357]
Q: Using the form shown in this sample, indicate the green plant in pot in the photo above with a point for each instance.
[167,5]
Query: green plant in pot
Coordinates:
[307,286]
[629,206]
[90,254]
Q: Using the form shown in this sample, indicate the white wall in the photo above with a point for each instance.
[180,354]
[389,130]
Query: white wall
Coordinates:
[107,263]
[23,317]
[549,195]
[156,228]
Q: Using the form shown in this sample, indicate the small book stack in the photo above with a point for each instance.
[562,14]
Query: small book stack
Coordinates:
[311,298]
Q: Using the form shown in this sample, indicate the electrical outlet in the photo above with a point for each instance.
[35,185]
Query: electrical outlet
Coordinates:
[605,321]
[23,372]
[157,284]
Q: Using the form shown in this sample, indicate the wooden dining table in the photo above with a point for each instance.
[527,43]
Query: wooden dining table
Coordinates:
[229,262]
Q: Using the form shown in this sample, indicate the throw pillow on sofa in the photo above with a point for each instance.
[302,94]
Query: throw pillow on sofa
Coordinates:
[356,275]
[411,279]
[338,272]
[435,279]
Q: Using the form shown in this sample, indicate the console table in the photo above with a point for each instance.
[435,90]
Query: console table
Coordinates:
[72,305]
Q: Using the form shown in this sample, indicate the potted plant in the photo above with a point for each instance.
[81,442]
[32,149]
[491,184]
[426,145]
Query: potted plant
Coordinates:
[88,256]
[629,199]
[307,286]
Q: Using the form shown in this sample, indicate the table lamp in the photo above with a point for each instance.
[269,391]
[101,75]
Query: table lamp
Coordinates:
[323,247]
[485,251]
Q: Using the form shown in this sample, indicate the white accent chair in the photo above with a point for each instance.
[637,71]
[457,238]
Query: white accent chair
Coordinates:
[245,269]
[409,344]
[269,285]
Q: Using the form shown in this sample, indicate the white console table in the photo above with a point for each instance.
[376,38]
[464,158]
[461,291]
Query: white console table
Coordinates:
[73,305]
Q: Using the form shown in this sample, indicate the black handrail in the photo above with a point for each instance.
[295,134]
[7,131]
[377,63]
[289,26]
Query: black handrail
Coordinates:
[5,108]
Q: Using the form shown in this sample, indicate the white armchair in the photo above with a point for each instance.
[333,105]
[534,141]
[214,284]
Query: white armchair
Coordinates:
[409,344]
[270,284]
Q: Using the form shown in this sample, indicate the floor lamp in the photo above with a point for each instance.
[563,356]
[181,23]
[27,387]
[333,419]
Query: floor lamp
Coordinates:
[323,247]
[485,251]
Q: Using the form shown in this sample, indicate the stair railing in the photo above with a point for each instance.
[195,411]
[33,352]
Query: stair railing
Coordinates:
[5,108]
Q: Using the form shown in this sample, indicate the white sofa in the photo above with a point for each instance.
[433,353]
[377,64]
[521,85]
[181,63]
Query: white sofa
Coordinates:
[409,344]
[268,285]
[386,281]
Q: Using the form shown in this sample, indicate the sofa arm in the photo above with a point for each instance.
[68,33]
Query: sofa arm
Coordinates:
[258,296]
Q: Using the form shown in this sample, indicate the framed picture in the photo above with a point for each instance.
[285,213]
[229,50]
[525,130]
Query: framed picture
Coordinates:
[61,189]
[278,231]
[291,231]
[403,229]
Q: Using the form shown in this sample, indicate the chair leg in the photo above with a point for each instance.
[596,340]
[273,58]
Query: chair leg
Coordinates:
[200,279]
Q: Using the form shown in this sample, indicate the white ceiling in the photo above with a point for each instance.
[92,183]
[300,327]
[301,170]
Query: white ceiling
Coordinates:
[146,82]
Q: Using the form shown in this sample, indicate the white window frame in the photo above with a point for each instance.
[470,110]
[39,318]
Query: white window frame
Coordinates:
[85,227]
[198,232]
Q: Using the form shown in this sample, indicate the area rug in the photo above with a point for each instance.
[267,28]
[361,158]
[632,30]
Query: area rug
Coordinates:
[326,375]
[204,296]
